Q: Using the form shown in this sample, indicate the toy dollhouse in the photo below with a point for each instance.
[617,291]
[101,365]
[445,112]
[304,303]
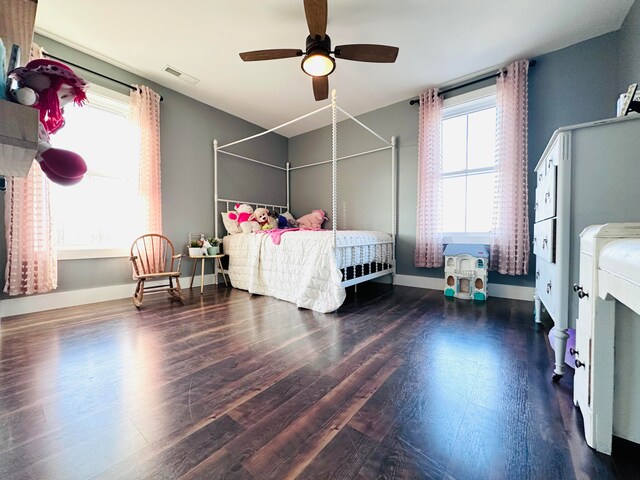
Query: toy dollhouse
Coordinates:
[465,271]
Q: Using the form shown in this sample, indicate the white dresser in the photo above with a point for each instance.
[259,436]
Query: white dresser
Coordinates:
[588,174]
[609,269]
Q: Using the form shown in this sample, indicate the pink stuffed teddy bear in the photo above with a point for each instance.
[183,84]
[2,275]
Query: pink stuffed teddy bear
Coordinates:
[313,220]
[242,216]
[48,86]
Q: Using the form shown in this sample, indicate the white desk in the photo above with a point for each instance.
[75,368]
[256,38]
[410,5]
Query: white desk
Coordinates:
[217,264]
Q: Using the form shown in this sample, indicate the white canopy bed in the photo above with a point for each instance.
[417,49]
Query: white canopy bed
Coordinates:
[308,268]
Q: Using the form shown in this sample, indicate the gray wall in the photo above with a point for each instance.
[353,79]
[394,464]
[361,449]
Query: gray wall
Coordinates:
[573,85]
[630,49]
[364,190]
[188,128]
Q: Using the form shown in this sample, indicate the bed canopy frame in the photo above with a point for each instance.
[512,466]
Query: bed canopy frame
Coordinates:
[333,106]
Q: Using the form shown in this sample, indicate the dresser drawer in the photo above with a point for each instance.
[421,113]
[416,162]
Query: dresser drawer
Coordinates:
[550,160]
[544,240]
[545,206]
[547,285]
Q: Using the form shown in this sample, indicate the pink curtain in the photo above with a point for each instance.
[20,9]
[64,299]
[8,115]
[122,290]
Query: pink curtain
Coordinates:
[510,247]
[145,111]
[32,264]
[428,251]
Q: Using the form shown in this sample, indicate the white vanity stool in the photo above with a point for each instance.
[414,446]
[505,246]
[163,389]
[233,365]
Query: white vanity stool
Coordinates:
[609,270]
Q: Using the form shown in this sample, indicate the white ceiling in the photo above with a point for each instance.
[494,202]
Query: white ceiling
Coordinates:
[440,41]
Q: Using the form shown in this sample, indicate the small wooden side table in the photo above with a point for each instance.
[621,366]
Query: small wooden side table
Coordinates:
[217,262]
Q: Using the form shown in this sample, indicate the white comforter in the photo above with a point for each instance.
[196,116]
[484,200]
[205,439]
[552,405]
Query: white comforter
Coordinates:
[302,269]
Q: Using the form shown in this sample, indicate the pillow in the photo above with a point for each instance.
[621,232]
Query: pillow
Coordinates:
[230,225]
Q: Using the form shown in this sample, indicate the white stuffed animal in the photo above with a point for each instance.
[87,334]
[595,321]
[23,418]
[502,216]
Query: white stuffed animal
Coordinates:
[205,245]
[242,214]
[260,220]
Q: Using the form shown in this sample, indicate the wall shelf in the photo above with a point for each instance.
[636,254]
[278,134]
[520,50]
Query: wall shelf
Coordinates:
[18,138]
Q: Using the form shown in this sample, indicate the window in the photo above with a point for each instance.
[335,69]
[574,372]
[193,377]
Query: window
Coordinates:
[468,166]
[99,216]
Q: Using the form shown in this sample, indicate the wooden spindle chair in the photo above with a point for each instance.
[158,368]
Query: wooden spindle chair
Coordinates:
[152,256]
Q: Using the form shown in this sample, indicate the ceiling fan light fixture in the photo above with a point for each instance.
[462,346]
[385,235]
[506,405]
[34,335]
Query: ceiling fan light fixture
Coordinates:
[318,64]
[317,61]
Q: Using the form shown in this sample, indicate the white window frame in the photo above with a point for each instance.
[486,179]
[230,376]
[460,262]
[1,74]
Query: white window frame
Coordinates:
[463,104]
[116,102]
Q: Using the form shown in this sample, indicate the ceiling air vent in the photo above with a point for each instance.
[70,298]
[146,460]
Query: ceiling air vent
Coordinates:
[181,75]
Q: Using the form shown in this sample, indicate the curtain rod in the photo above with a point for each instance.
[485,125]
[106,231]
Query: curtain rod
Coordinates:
[532,63]
[93,71]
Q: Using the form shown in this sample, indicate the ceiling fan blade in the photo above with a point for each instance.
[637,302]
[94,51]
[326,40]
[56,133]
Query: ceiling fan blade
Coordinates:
[273,54]
[316,13]
[367,53]
[320,88]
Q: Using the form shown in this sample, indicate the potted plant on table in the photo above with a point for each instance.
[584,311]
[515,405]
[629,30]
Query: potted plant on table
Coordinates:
[214,249]
[195,248]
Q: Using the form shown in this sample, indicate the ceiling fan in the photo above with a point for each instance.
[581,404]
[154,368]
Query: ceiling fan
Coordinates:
[318,62]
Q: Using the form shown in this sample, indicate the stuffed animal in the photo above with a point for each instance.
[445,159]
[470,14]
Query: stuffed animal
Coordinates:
[205,245]
[261,218]
[241,215]
[276,220]
[291,222]
[313,220]
[48,86]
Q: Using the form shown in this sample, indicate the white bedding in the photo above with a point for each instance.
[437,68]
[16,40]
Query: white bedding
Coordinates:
[302,269]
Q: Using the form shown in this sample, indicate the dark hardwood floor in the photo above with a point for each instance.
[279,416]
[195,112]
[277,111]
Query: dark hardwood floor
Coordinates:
[400,383]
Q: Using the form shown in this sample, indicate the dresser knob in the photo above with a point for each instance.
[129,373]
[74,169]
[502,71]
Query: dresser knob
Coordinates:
[549,287]
[573,351]
[537,274]
[582,294]
[576,287]
[579,363]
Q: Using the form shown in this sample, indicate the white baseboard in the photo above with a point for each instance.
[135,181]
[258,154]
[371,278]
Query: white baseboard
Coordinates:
[49,301]
[494,289]
[432,283]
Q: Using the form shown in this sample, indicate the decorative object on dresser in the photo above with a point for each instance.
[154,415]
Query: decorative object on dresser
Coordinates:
[630,103]
[466,269]
[609,268]
[586,175]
